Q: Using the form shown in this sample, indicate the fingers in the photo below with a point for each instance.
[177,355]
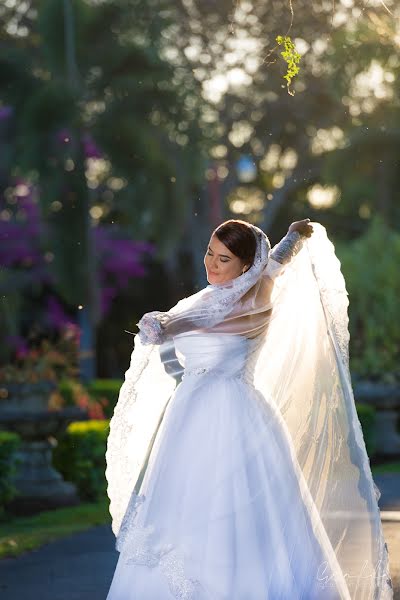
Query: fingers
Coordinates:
[304,227]
[308,229]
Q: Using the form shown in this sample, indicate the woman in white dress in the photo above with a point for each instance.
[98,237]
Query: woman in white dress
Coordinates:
[236,465]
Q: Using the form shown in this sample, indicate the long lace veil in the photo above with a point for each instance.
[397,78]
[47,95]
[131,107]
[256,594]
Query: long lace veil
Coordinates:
[301,365]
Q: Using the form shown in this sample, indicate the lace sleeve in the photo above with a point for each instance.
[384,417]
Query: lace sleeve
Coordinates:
[283,252]
[288,247]
[151,327]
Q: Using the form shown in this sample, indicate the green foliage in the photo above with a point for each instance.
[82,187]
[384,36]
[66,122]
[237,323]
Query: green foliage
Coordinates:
[9,443]
[22,534]
[98,398]
[106,388]
[80,457]
[386,467]
[66,389]
[97,72]
[291,56]
[366,415]
[370,265]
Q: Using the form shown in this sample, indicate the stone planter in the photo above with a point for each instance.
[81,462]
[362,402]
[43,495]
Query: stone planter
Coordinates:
[386,400]
[24,410]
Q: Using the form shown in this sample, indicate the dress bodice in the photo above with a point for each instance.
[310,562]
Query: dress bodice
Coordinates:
[222,354]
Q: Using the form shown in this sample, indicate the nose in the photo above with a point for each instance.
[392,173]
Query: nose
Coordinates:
[214,265]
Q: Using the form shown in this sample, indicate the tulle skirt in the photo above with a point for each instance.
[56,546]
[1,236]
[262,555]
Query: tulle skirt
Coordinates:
[222,512]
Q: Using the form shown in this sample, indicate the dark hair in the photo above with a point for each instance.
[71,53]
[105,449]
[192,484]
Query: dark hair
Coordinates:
[238,236]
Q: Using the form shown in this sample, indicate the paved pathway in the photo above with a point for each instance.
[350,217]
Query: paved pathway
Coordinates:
[391,531]
[81,566]
[389,485]
[78,567]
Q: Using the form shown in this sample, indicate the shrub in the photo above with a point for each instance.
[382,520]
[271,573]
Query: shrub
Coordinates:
[370,265]
[106,389]
[366,415]
[80,457]
[9,444]
[74,393]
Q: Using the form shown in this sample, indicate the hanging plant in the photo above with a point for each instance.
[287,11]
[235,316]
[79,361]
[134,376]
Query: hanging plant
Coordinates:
[292,57]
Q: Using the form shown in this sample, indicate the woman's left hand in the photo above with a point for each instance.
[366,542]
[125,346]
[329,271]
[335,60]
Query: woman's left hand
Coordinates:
[303,227]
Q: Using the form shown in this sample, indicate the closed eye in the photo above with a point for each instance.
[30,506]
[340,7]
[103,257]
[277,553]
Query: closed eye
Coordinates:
[209,252]
[221,259]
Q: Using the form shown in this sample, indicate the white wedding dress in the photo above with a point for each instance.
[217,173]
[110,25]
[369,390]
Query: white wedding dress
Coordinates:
[218,517]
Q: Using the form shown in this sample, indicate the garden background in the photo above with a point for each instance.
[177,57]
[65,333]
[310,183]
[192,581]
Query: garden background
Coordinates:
[128,130]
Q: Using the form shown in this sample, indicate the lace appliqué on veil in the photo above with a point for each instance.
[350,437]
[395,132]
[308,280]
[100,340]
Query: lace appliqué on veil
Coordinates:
[138,545]
[212,308]
[118,461]
[282,252]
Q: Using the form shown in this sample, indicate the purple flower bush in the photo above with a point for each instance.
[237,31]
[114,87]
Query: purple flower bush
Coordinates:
[121,261]
[27,265]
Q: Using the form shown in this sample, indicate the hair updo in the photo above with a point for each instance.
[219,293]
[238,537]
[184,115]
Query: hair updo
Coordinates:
[238,236]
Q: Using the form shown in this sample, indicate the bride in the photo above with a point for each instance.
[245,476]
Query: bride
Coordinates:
[236,464]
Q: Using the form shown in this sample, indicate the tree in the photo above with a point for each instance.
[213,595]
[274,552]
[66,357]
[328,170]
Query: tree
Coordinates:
[292,139]
[72,69]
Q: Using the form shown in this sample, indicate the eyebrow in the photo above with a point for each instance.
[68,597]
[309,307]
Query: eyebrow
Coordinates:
[224,255]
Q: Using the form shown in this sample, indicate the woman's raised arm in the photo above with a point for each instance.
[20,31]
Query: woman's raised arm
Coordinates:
[292,243]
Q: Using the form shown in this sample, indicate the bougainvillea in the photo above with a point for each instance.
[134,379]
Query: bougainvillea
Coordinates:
[121,261]
[26,261]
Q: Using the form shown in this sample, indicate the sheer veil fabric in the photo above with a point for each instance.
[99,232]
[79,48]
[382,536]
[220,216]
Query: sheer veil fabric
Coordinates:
[294,317]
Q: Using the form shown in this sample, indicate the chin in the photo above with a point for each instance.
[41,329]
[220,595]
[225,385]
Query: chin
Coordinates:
[212,278]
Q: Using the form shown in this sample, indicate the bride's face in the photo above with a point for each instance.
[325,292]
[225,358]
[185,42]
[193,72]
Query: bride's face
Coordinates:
[221,265]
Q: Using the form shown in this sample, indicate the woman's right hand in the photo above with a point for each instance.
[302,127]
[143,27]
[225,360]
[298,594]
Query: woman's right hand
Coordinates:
[150,327]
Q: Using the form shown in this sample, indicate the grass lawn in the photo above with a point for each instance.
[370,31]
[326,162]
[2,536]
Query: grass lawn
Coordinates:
[389,467]
[19,534]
